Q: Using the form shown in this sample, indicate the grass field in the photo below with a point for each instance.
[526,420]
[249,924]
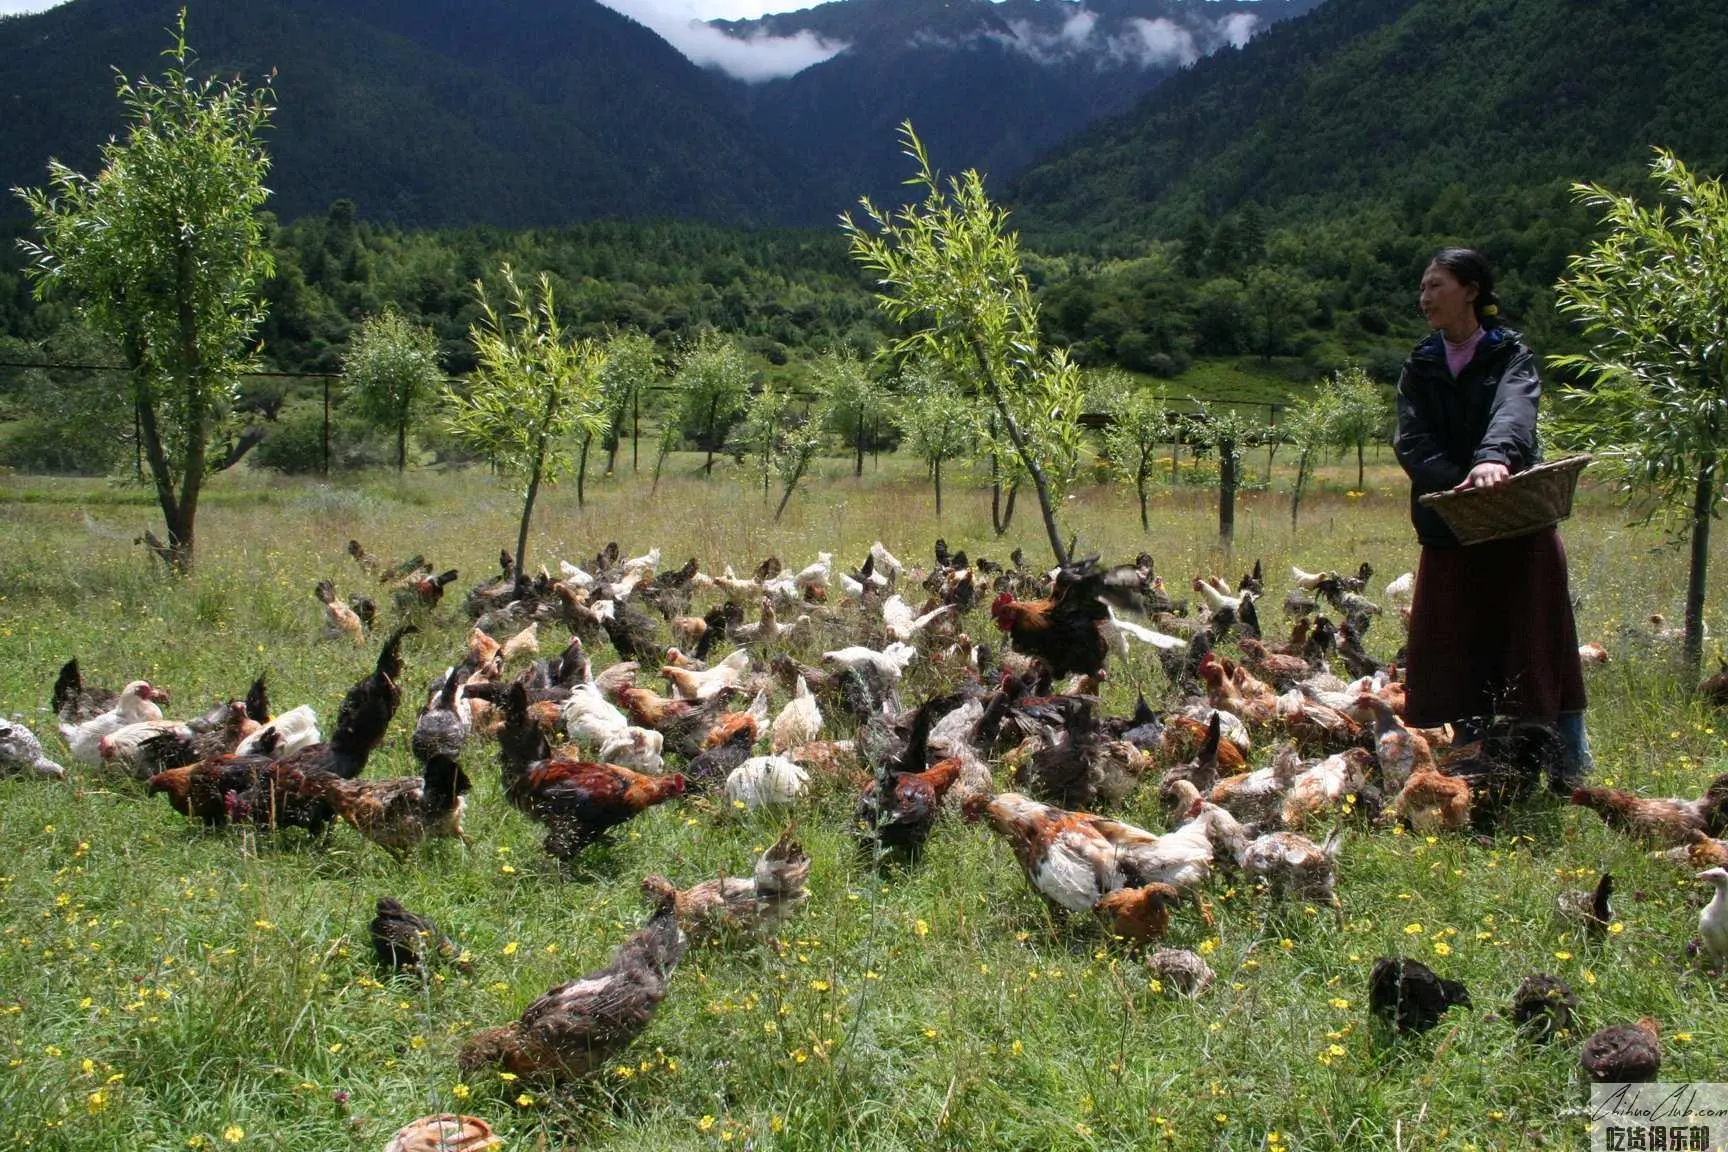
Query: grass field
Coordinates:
[167,988]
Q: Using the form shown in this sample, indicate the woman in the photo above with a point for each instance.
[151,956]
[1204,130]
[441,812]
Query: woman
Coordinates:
[1491,628]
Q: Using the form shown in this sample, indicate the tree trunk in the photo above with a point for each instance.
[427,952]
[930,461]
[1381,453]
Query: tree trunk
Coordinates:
[1359,481]
[713,410]
[936,475]
[180,529]
[1302,465]
[659,463]
[582,472]
[1271,455]
[1703,499]
[1140,487]
[1040,485]
[528,512]
[858,450]
[325,471]
[636,430]
[1227,490]
[1175,455]
[792,485]
[402,444]
[1008,508]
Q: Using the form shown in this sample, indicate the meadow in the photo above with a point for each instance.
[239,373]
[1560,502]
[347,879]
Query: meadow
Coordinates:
[166,988]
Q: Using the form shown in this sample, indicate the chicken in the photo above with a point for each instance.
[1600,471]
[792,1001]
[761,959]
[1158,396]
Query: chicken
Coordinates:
[147,748]
[341,622]
[398,814]
[1066,630]
[441,729]
[716,763]
[898,809]
[1700,852]
[210,790]
[136,704]
[1590,909]
[1186,738]
[1308,581]
[422,592]
[1067,860]
[1139,915]
[578,801]
[1326,786]
[284,735]
[1594,655]
[903,624]
[1543,1008]
[1622,1054]
[1713,920]
[636,748]
[579,1027]
[73,703]
[688,684]
[1202,773]
[403,941]
[1400,751]
[523,643]
[1665,822]
[1283,671]
[1402,591]
[888,664]
[732,905]
[1292,864]
[766,781]
[1256,710]
[685,724]
[1078,767]
[1184,971]
[444,1132]
[799,722]
[1182,858]
[1258,797]
[590,719]
[1432,801]
[21,753]
[1407,994]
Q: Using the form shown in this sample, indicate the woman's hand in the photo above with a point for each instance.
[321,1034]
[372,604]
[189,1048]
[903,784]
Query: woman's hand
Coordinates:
[1485,475]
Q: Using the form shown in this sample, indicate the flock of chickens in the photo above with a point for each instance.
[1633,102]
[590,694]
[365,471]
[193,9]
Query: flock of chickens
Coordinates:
[582,751]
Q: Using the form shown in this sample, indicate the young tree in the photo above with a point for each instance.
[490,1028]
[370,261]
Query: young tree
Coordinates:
[1310,432]
[856,404]
[632,366]
[1364,410]
[1140,423]
[950,268]
[1277,301]
[165,252]
[1650,296]
[713,392]
[391,363]
[938,422]
[1225,432]
[533,392]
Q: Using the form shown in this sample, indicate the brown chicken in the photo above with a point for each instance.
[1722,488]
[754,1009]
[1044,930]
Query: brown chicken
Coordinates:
[1063,631]
[422,592]
[1185,737]
[898,809]
[1139,915]
[1665,822]
[578,801]
[1701,853]
[341,622]
[398,814]
[1431,801]
[1284,671]
[1401,752]
[1225,694]
[577,1028]
[732,905]
[1622,1054]
[206,790]
[686,724]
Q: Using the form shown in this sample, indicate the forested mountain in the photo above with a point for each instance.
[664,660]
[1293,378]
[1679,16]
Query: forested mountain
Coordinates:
[425,112]
[1450,109]
[988,84]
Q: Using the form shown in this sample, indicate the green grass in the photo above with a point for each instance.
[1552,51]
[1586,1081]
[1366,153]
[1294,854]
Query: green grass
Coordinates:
[223,981]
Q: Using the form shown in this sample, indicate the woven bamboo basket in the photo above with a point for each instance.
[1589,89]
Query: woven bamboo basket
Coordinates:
[1528,502]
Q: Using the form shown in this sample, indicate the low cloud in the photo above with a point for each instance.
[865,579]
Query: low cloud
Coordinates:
[1159,43]
[1240,28]
[750,59]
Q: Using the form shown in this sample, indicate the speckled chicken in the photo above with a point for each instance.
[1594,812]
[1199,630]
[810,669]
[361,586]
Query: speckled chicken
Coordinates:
[734,905]
[1666,821]
[403,941]
[1623,1054]
[579,1027]
[21,753]
[1543,1007]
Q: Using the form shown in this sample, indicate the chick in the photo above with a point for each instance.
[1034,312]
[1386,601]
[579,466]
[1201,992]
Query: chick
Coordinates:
[1139,915]
[1180,969]
[1591,909]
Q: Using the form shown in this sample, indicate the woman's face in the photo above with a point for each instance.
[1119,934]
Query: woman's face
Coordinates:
[1445,300]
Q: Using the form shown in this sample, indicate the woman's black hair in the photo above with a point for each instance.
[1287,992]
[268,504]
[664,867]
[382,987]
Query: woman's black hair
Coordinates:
[1468,266]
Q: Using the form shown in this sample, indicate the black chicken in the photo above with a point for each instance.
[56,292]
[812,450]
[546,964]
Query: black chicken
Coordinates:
[1543,1007]
[404,942]
[1409,996]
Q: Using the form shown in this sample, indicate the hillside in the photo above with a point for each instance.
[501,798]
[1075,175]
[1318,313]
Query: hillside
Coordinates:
[988,85]
[429,113]
[1373,103]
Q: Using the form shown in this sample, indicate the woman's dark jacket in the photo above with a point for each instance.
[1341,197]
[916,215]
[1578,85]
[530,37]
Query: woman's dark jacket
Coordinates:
[1447,426]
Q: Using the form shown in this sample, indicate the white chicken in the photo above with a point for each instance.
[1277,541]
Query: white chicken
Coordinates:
[766,782]
[1307,580]
[643,566]
[691,684]
[1324,786]
[21,753]
[817,576]
[1402,590]
[891,662]
[903,624]
[1217,600]
[636,748]
[1713,920]
[1119,632]
[799,722]
[288,733]
[136,705]
[590,719]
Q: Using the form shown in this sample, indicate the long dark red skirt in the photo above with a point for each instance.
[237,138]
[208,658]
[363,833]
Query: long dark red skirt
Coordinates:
[1492,633]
